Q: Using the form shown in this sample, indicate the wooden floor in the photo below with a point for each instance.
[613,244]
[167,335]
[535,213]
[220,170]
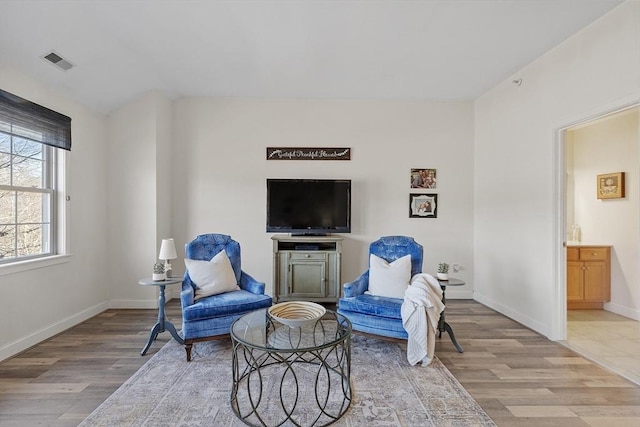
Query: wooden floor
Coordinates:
[519,377]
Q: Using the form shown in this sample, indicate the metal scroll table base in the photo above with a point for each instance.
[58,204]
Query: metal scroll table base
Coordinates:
[301,388]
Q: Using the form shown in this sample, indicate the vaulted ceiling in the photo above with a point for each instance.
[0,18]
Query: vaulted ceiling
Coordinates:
[362,49]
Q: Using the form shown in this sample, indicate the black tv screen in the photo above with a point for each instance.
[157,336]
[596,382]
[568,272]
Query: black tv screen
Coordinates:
[309,206]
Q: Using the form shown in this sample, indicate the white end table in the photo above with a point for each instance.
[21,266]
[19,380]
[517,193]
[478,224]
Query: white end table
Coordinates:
[162,324]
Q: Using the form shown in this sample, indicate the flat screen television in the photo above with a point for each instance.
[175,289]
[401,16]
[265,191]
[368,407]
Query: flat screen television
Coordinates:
[309,206]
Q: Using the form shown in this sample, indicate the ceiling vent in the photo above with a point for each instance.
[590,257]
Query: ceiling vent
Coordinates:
[58,61]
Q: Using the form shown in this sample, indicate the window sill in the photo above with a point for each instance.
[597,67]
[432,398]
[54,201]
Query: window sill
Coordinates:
[32,264]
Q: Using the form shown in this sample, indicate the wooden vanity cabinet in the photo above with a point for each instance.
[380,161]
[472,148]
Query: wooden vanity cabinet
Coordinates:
[588,276]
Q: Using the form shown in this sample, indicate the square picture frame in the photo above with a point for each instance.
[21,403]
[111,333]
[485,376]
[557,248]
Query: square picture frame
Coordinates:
[423,205]
[610,185]
[423,178]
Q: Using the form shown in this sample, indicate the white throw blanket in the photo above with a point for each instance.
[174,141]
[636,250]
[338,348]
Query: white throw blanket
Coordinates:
[420,315]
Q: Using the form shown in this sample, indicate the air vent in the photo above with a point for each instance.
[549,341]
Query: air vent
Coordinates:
[58,61]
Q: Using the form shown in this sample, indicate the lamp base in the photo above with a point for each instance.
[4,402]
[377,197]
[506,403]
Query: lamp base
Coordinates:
[167,268]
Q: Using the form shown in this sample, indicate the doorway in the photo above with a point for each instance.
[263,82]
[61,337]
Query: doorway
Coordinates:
[609,143]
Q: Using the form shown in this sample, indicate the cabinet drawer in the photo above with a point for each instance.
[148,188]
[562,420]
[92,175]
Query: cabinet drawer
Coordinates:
[587,254]
[310,256]
[573,254]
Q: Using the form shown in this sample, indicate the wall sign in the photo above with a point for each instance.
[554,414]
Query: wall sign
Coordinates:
[308,153]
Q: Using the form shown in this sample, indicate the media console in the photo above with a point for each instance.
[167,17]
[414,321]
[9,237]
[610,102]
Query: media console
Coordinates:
[306,267]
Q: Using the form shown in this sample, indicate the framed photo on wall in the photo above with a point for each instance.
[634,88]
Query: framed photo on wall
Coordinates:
[611,185]
[423,178]
[423,205]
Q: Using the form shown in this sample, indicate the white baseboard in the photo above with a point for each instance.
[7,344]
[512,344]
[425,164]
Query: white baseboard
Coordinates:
[22,344]
[171,294]
[518,317]
[451,294]
[622,310]
[133,303]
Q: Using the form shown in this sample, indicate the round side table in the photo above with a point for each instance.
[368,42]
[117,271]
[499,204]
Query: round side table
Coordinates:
[443,326]
[162,324]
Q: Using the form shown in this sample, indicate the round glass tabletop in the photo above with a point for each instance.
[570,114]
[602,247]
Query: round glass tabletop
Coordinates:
[259,330]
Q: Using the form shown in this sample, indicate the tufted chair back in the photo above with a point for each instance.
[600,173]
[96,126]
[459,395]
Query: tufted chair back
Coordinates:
[390,248]
[206,246]
[212,316]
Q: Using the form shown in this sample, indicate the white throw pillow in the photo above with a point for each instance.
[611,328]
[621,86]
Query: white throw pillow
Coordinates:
[212,277]
[389,279]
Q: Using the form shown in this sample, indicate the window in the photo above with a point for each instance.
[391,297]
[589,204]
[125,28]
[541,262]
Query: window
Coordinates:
[28,184]
[26,197]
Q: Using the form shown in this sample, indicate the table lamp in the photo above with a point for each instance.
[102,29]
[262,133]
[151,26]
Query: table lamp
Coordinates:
[167,252]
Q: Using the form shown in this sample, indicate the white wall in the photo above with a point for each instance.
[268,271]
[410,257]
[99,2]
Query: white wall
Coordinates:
[611,145]
[164,185]
[139,208]
[220,172]
[40,300]
[516,247]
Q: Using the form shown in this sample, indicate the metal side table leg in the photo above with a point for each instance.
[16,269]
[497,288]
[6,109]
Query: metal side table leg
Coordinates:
[443,326]
[448,330]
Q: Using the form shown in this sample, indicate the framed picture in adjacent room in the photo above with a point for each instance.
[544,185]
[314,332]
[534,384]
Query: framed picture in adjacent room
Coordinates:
[423,178]
[611,185]
[423,205]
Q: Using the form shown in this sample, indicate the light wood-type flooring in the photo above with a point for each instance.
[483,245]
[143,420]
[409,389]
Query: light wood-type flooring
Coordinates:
[518,377]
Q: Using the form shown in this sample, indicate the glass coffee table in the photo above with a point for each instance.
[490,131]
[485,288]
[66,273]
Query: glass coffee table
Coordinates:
[299,375]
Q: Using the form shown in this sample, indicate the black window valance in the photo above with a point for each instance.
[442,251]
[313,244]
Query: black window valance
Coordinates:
[51,127]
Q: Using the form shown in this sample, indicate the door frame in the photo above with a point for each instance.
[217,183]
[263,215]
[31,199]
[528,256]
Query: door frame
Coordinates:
[559,314]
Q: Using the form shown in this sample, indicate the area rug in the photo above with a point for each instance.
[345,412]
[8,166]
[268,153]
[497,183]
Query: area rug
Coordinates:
[387,391]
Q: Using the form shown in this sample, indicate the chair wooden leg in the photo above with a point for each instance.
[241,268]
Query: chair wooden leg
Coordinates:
[188,344]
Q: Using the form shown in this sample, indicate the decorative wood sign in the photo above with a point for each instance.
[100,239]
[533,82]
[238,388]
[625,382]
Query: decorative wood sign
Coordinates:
[308,153]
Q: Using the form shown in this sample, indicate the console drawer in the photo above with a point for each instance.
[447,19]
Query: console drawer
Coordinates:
[309,256]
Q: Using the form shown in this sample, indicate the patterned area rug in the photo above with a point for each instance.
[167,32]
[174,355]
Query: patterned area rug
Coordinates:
[387,391]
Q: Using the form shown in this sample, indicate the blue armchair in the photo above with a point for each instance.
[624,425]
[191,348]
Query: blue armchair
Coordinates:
[377,314]
[210,317]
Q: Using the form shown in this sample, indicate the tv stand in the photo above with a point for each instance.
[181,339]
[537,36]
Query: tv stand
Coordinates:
[306,267]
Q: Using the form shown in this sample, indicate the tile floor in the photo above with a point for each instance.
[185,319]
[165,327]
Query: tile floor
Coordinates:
[611,340]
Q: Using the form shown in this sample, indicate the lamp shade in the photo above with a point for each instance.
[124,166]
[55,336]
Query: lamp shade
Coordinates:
[167,249]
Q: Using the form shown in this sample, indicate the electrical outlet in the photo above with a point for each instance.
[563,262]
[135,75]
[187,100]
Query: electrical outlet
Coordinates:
[456,268]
